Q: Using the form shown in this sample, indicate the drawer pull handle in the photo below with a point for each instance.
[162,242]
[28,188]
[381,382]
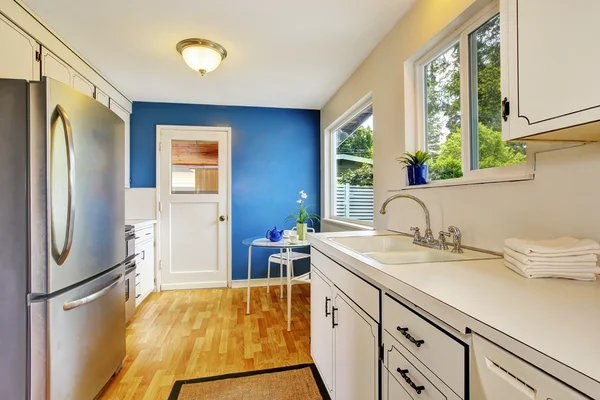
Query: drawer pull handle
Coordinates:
[333,323]
[138,296]
[411,339]
[404,374]
[327,300]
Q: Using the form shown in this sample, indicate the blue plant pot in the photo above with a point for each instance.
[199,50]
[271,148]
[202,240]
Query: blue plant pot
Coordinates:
[417,174]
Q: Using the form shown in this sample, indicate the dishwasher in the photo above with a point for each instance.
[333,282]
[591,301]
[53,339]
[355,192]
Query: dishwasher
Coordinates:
[500,375]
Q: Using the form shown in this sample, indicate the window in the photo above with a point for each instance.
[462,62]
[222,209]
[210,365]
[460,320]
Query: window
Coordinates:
[461,101]
[352,168]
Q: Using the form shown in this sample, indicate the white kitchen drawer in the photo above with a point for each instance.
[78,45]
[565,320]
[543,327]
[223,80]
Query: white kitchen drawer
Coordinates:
[500,375]
[141,235]
[392,389]
[411,379]
[360,291]
[440,352]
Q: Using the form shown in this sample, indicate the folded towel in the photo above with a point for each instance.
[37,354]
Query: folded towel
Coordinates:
[588,260]
[551,268]
[564,246]
[570,275]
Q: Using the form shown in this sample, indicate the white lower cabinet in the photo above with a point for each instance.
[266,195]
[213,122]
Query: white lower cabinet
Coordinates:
[499,375]
[144,272]
[344,338]
[356,351]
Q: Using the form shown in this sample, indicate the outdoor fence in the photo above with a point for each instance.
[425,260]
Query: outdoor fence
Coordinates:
[355,202]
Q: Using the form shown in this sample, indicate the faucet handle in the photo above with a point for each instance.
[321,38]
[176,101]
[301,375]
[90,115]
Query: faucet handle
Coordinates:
[456,239]
[417,233]
[442,240]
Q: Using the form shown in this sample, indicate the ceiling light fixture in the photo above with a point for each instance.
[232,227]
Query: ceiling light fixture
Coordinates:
[201,55]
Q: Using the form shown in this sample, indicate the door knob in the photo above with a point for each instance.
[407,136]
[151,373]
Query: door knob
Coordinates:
[222,218]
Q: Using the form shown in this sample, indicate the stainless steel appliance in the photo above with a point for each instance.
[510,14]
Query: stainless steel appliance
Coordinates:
[62,310]
[130,274]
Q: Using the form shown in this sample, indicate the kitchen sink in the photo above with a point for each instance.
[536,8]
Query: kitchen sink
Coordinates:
[398,249]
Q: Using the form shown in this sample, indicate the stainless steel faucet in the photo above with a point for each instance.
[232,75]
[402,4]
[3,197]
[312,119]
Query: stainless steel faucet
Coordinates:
[428,240]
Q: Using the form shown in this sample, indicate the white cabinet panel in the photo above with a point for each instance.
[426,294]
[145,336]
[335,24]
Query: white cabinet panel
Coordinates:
[392,390]
[102,97]
[356,346]
[502,375]
[549,57]
[18,52]
[83,85]
[321,332]
[53,67]
[121,112]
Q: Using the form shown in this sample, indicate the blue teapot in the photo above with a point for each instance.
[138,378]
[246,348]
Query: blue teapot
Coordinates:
[274,235]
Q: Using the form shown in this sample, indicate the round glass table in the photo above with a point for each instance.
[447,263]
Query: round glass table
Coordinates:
[282,245]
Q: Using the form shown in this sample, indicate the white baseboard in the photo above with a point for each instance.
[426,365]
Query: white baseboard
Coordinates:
[193,285]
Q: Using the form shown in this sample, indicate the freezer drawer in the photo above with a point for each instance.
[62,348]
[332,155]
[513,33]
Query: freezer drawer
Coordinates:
[85,338]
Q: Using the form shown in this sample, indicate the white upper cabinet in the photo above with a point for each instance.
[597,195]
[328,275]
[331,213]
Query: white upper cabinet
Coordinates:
[83,85]
[18,52]
[122,112]
[549,62]
[53,67]
[102,97]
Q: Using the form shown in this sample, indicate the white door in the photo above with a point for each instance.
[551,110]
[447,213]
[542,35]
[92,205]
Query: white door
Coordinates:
[18,52]
[356,355]
[321,332]
[193,207]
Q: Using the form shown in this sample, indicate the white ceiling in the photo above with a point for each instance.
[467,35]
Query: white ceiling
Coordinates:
[282,53]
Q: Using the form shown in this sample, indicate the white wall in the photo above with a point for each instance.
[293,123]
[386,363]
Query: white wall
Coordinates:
[140,203]
[562,200]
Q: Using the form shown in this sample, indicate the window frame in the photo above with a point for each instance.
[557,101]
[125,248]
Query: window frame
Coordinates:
[461,36]
[330,175]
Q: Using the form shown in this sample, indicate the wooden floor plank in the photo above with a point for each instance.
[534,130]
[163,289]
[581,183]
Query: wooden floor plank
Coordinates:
[197,333]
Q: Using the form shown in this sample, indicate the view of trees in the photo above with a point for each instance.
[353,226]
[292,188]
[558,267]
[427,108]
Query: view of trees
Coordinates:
[444,113]
[359,144]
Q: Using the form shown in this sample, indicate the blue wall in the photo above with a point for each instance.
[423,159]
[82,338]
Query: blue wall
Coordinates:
[275,154]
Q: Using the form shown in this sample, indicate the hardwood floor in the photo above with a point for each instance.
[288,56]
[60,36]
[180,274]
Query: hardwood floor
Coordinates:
[197,333]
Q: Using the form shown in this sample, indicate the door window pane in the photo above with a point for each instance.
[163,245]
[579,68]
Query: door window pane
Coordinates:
[442,115]
[194,167]
[353,158]
[488,150]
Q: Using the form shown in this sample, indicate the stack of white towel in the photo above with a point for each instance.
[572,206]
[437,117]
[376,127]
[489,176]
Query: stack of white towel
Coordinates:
[565,257]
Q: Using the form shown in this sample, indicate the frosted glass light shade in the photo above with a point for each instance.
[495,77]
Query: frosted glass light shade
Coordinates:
[201,55]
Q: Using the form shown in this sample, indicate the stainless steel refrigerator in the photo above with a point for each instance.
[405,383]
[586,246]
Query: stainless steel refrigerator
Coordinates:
[62,296]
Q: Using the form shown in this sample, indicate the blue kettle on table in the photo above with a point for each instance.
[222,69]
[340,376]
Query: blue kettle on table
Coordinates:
[274,235]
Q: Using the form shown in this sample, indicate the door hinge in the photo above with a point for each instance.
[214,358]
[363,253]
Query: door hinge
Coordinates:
[160,206]
[381,352]
[159,146]
[505,109]
[160,265]
[38,56]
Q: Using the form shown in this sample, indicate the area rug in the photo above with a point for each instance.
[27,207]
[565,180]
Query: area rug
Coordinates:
[293,383]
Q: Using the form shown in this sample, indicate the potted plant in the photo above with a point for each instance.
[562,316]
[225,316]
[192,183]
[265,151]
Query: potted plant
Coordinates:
[301,217]
[416,166]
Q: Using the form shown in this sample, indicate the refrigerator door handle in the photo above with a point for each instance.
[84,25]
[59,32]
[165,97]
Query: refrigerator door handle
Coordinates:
[70,305]
[62,256]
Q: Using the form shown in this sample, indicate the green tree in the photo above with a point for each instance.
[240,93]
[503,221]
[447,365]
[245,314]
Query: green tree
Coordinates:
[362,176]
[359,143]
[493,152]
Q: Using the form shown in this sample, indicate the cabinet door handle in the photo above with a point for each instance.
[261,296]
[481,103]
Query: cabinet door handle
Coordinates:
[404,332]
[138,296]
[333,323]
[505,109]
[404,374]
[143,254]
[327,300]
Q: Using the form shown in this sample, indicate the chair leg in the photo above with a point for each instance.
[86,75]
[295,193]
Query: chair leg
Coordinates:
[268,275]
[281,273]
[289,291]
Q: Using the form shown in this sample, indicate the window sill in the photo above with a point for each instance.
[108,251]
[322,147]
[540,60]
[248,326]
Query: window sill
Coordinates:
[470,181]
[347,224]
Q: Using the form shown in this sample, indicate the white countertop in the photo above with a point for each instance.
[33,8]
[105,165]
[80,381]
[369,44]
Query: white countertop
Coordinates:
[140,223]
[556,317]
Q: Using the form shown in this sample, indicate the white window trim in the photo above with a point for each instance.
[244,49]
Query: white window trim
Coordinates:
[489,175]
[329,171]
